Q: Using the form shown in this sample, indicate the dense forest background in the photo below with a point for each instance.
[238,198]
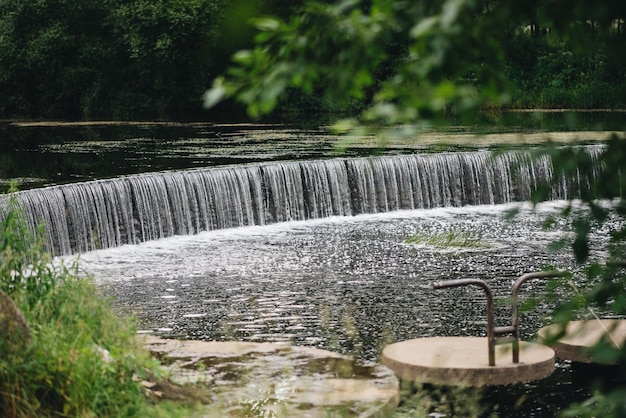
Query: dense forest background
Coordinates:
[154,59]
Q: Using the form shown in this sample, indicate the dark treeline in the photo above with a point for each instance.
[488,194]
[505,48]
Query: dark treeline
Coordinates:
[140,59]
[120,59]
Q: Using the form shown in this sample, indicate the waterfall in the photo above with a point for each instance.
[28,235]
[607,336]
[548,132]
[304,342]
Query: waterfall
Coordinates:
[128,210]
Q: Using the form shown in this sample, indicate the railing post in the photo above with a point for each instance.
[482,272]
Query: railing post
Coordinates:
[514,310]
[491,343]
[494,332]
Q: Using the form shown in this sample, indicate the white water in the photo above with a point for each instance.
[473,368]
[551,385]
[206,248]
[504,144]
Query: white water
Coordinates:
[306,282]
[128,210]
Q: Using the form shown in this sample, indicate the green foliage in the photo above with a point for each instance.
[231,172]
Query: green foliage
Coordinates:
[551,75]
[83,359]
[454,239]
[164,53]
[278,64]
[401,60]
[412,62]
[25,269]
[93,59]
[409,61]
[119,59]
[600,288]
[406,59]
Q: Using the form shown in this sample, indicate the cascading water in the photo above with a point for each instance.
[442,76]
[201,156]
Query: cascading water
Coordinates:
[127,210]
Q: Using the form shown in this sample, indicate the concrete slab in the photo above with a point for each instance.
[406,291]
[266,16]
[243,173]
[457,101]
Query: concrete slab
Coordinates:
[581,335]
[278,380]
[463,361]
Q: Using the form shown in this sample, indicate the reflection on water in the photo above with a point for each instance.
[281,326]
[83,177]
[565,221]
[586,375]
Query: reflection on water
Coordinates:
[347,284]
[37,154]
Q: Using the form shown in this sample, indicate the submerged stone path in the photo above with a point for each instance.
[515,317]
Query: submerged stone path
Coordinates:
[580,336]
[463,361]
[281,380]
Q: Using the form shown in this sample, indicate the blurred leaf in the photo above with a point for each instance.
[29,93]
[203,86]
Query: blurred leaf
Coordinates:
[242,57]
[548,222]
[215,95]
[558,245]
[267,24]
[510,214]
[580,245]
[605,352]
[424,26]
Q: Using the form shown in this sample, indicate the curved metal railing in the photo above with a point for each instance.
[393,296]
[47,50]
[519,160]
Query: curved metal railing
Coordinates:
[498,335]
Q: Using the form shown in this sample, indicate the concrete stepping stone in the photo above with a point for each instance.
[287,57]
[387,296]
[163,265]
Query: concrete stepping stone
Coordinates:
[280,379]
[463,361]
[582,335]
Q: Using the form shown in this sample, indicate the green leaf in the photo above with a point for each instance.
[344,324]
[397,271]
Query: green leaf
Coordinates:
[558,245]
[267,24]
[450,12]
[424,27]
[243,57]
[511,213]
[215,95]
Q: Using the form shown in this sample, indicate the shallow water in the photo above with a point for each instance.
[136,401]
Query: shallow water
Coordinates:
[345,283]
[348,284]
[38,154]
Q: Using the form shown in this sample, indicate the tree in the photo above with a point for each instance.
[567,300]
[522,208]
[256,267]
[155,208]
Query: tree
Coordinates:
[164,52]
[409,61]
[44,56]
[101,59]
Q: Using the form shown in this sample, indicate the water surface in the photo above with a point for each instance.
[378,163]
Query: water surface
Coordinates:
[345,283]
[43,153]
[348,284]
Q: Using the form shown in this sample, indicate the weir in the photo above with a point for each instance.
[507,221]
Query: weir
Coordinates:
[132,209]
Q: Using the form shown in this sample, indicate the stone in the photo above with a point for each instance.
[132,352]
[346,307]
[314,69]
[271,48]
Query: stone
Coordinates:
[13,327]
[580,336]
[279,379]
[463,361]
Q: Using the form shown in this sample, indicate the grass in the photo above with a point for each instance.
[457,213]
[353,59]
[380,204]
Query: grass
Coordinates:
[425,400]
[82,359]
[448,239]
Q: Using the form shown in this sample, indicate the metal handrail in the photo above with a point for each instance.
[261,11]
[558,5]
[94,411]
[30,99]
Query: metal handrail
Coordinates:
[490,320]
[494,332]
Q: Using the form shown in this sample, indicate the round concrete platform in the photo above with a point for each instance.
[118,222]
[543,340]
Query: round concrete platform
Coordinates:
[463,361]
[581,335]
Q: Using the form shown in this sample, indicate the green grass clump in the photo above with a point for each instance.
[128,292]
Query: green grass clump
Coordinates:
[448,239]
[81,360]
